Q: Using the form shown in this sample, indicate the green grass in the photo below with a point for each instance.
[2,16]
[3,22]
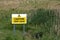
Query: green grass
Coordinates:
[6,28]
[40,7]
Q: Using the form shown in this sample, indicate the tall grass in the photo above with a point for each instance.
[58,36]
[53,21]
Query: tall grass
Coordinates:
[40,20]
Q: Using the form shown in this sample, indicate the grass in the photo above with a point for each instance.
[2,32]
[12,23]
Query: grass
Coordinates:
[9,7]
[8,34]
[29,4]
[6,27]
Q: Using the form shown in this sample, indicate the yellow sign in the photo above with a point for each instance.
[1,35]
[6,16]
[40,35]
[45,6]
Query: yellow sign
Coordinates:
[19,18]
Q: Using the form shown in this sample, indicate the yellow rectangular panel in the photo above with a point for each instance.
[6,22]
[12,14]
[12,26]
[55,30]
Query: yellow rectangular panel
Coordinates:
[22,19]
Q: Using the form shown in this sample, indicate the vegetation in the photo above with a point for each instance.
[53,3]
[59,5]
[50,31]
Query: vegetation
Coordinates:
[41,18]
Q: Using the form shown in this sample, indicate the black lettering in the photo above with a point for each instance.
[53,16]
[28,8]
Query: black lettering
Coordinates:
[18,18]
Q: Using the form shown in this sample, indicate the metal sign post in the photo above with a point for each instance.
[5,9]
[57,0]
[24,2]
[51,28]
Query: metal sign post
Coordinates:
[23,32]
[14,31]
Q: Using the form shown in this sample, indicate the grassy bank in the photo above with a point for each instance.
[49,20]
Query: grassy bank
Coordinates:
[41,18]
[38,21]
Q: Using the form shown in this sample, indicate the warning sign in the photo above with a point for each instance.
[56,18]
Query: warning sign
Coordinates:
[19,18]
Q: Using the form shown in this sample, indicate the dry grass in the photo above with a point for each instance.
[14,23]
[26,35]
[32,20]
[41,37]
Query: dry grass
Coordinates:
[27,5]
